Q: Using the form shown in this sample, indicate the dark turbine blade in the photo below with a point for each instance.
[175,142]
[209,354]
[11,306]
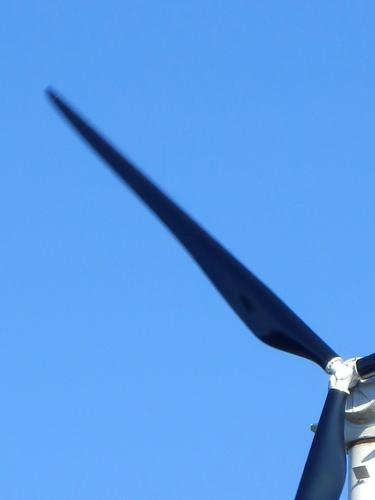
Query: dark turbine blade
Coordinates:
[271,320]
[366,366]
[324,473]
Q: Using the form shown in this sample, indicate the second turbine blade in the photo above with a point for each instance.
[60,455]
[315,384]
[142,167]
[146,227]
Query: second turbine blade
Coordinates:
[325,469]
[259,308]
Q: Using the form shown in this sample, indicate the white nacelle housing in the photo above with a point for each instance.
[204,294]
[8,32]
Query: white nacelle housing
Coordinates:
[360,440]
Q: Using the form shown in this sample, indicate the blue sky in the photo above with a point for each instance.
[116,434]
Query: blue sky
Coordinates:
[124,375]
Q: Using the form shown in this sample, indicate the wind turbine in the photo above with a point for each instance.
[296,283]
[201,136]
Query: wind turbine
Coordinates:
[347,421]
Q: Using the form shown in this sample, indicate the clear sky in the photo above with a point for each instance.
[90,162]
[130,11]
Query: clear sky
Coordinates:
[124,375]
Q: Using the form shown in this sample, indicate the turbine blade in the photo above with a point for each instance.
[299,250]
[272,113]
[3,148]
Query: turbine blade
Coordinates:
[264,313]
[323,477]
[366,366]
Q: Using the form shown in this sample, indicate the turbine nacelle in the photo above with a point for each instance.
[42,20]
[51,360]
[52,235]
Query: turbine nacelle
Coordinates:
[360,412]
[359,434]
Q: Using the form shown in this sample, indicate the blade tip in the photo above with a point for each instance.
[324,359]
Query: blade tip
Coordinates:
[52,95]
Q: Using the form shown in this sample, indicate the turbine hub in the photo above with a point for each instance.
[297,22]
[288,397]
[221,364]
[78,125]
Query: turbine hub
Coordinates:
[343,374]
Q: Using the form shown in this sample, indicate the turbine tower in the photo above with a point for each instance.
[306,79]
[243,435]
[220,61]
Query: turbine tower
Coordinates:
[347,421]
